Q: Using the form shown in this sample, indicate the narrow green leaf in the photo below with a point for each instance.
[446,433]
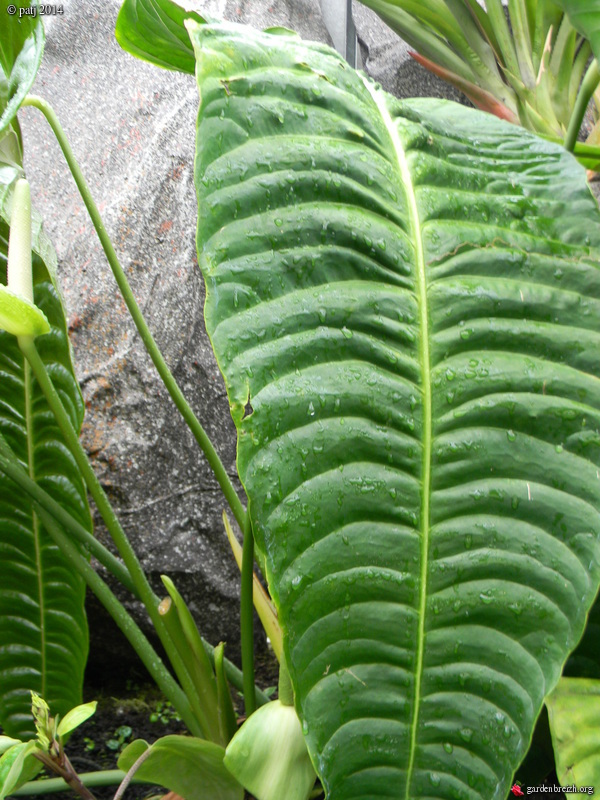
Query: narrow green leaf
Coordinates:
[197,681]
[154,31]
[21,48]
[483,22]
[200,667]
[193,768]
[543,95]
[480,54]
[541,34]
[574,711]
[408,296]
[189,626]
[227,718]
[532,119]
[561,65]
[76,717]
[497,16]
[520,29]
[434,13]
[43,631]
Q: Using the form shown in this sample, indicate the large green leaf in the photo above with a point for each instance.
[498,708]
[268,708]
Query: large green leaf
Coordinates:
[21,48]
[43,631]
[404,299]
[574,711]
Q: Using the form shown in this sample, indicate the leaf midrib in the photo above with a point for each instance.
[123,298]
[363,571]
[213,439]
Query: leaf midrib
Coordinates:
[28,388]
[423,334]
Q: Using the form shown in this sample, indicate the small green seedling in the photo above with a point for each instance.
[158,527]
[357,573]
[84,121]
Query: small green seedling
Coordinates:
[165,713]
[20,760]
[119,740]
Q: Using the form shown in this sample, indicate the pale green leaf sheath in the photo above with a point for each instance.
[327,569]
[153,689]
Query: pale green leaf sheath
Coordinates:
[43,631]
[404,298]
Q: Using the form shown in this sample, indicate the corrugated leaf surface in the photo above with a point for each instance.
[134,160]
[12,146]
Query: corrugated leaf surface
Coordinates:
[404,298]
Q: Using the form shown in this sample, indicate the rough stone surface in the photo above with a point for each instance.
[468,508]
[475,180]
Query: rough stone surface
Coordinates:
[131,126]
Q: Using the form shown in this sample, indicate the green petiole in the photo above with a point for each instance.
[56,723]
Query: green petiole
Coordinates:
[590,81]
[109,777]
[163,370]
[247,617]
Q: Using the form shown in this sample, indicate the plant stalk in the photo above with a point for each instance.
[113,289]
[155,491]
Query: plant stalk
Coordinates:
[66,772]
[247,616]
[589,83]
[109,777]
[286,690]
[163,370]
[130,774]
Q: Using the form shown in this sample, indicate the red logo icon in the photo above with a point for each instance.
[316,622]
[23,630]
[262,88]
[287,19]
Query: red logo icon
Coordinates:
[517,791]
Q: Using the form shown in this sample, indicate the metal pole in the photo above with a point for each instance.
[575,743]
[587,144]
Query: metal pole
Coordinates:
[337,15]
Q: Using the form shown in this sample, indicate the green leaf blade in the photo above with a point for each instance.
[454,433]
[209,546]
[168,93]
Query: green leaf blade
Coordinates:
[76,717]
[190,767]
[154,31]
[43,630]
[17,766]
[394,295]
